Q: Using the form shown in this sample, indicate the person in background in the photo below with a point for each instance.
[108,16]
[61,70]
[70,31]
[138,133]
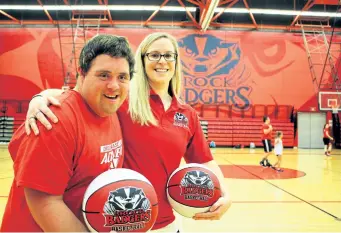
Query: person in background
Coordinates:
[266,140]
[327,140]
[278,151]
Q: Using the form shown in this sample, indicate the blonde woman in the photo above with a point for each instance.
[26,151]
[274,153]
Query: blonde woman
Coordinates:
[158,128]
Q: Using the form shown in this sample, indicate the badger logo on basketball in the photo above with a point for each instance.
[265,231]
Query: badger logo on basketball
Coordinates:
[180,120]
[197,185]
[127,209]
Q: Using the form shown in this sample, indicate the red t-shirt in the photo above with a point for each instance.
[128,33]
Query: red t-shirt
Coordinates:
[325,131]
[268,135]
[156,152]
[61,161]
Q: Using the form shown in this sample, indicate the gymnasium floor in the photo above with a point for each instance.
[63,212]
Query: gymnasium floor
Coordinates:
[305,197]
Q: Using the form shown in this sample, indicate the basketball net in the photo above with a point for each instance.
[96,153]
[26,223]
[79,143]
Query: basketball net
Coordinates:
[335,108]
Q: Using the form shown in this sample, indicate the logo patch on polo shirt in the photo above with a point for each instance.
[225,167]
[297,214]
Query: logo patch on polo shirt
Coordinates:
[180,120]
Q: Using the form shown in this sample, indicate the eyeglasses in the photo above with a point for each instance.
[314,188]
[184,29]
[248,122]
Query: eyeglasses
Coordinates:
[157,56]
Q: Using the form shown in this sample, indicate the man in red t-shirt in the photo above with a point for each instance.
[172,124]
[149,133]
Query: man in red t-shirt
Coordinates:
[327,140]
[53,170]
[266,139]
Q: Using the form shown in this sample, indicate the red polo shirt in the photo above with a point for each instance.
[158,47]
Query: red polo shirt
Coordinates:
[156,151]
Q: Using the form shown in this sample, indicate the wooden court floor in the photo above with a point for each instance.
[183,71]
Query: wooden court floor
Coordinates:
[306,197]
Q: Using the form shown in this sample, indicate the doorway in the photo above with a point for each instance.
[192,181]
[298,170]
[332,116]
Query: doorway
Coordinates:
[310,130]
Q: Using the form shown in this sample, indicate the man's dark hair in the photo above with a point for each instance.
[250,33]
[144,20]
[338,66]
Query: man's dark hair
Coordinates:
[114,46]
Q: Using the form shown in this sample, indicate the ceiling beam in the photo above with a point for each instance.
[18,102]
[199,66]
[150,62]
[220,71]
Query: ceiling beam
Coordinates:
[66,2]
[9,16]
[267,27]
[102,22]
[251,15]
[195,3]
[223,2]
[46,12]
[203,12]
[155,12]
[221,12]
[189,15]
[209,15]
[307,6]
[165,24]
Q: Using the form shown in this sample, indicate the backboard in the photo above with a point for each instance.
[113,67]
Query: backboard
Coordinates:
[329,100]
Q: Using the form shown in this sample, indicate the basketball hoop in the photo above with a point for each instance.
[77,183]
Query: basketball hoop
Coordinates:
[335,108]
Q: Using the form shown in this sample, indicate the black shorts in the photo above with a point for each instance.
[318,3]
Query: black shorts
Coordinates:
[326,141]
[267,145]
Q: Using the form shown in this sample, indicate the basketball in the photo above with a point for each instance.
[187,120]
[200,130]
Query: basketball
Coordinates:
[212,144]
[193,188]
[120,200]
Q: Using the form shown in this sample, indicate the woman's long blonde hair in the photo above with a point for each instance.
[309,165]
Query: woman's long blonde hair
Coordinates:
[139,106]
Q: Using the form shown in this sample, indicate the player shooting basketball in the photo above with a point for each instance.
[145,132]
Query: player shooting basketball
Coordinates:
[266,139]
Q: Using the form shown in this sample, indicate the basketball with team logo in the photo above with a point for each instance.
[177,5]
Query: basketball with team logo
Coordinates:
[192,188]
[120,200]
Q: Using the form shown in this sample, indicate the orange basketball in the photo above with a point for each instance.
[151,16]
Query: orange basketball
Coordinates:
[120,200]
[193,188]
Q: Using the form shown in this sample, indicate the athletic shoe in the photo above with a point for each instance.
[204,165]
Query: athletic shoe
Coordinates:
[268,164]
[262,163]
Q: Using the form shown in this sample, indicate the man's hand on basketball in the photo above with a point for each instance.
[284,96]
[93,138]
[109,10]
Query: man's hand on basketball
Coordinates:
[216,211]
[38,110]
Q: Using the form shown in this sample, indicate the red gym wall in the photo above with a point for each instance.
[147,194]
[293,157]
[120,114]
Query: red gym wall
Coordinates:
[220,67]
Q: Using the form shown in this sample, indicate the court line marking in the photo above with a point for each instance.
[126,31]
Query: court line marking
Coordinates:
[285,201]
[4,178]
[324,211]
